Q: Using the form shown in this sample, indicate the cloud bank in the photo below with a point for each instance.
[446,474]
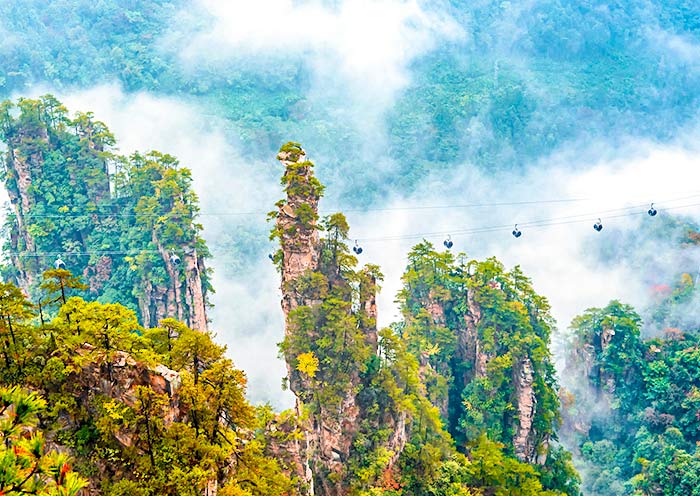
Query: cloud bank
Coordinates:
[356,50]
[564,260]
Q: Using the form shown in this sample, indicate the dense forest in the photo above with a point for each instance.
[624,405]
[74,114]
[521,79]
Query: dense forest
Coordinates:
[635,417]
[458,399]
[139,411]
[125,224]
[467,373]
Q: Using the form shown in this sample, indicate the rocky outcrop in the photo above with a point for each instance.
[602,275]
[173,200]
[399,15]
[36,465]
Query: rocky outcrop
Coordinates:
[332,426]
[116,376]
[119,375]
[299,239]
[368,293]
[183,297]
[123,380]
[299,244]
[462,314]
[195,300]
[286,443]
[152,302]
[526,401]
[583,359]
[468,341]
[24,162]
[98,274]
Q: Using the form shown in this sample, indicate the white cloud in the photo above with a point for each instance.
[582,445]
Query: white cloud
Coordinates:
[561,259]
[364,46]
[680,48]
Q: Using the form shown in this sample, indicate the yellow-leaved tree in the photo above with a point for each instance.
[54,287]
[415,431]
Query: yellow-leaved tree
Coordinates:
[307,363]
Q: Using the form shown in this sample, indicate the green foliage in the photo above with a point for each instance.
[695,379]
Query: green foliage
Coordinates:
[413,373]
[113,219]
[513,323]
[599,65]
[640,405]
[25,466]
[569,71]
[487,471]
[15,336]
[133,426]
[614,333]
[56,283]
[472,325]
[335,333]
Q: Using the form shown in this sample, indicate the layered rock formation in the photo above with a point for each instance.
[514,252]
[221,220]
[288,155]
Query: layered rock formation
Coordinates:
[300,242]
[324,301]
[470,349]
[23,163]
[480,339]
[123,380]
[526,401]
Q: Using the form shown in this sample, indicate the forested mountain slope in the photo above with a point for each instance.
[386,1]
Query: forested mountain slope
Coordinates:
[140,411]
[635,414]
[418,113]
[148,410]
[125,224]
[457,398]
[155,411]
[467,372]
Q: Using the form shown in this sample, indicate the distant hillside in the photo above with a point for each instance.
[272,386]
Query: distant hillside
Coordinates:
[522,81]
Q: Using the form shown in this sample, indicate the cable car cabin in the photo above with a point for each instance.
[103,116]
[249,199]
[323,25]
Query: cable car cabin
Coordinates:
[357,248]
[652,211]
[598,226]
[448,243]
[516,231]
[59,264]
[174,259]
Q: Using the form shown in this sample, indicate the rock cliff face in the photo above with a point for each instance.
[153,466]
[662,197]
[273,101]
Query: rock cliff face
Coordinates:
[469,350]
[23,163]
[300,238]
[465,316]
[307,279]
[117,377]
[591,396]
[182,296]
[526,401]
[67,204]
[300,242]
[584,360]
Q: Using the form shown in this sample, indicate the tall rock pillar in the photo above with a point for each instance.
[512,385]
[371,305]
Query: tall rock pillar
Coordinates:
[330,331]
